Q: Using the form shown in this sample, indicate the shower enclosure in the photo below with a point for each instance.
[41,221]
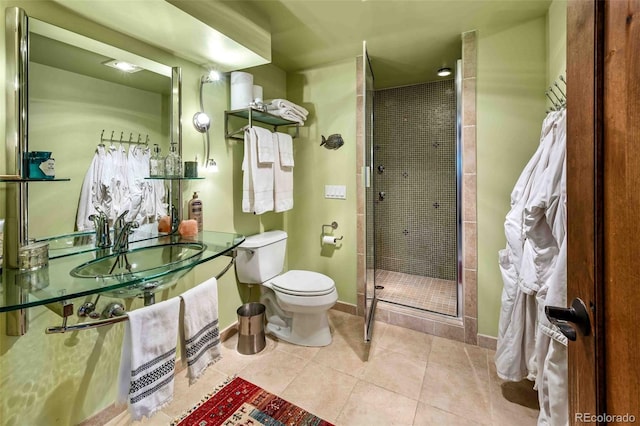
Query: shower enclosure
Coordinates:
[413,202]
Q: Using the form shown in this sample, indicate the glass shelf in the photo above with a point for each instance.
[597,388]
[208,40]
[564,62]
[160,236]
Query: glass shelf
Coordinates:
[261,116]
[18,179]
[54,283]
[174,178]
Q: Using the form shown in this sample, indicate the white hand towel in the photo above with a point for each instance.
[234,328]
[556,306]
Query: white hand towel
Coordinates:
[148,358]
[200,336]
[283,179]
[283,103]
[265,145]
[257,180]
[285,146]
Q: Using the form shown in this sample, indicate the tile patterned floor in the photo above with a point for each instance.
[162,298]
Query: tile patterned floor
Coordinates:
[403,378]
[431,294]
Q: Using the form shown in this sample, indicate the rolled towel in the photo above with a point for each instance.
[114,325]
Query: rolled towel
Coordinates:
[283,103]
[288,114]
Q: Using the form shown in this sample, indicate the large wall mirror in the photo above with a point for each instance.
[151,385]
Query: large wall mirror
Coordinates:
[81,99]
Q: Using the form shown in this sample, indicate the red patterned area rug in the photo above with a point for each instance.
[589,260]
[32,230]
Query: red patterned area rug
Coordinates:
[239,402]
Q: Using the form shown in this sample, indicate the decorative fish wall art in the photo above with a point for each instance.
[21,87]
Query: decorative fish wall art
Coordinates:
[334,141]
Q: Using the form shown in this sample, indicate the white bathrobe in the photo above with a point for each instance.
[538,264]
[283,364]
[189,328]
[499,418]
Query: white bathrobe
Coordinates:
[515,352]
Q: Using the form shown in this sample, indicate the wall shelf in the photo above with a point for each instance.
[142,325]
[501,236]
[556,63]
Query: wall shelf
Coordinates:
[18,179]
[258,116]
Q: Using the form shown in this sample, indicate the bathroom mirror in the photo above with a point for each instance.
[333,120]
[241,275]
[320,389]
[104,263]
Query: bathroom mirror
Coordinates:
[80,93]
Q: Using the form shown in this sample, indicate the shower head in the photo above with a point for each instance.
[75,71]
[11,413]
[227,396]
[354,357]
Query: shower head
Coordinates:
[211,77]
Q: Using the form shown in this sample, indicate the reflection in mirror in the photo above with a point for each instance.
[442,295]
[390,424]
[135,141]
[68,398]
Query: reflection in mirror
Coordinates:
[74,96]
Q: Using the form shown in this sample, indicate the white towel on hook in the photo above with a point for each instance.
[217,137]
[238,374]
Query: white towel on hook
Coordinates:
[148,360]
[257,179]
[199,333]
[283,176]
[288,114]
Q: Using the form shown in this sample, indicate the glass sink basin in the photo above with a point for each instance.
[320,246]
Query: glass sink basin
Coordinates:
[153,267]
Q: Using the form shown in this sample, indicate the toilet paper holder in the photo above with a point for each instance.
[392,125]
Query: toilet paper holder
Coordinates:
[333,225]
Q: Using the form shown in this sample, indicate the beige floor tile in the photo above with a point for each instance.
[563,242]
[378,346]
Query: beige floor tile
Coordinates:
[305,352]
[456,391]
[337,317]
[460,356]
[185,396]
[320,390]
[232,361]
[426,415]
[274,371]
[158,419]
[374,406]
[409,342]
[344,354]
[512,402]
[396,372]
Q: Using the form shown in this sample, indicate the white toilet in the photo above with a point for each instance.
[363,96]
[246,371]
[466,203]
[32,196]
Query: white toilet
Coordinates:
[297,301]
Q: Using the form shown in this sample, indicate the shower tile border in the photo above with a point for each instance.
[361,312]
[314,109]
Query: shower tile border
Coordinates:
[463,328]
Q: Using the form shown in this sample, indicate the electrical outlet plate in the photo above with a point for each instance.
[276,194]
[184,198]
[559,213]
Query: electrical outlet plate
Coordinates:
[336,192]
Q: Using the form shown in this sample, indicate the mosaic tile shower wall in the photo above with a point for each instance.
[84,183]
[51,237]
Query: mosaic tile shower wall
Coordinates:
[415,210]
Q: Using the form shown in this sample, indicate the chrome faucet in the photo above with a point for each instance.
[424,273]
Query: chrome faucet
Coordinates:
[101,224]
[121,231]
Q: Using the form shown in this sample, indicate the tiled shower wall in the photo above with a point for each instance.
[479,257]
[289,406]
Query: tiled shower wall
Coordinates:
[415,142]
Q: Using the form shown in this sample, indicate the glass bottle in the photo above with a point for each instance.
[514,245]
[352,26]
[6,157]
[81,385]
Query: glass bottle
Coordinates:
[173,163]
[156,163]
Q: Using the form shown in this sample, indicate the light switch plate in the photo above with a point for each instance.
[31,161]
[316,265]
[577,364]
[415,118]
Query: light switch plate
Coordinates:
[336,192]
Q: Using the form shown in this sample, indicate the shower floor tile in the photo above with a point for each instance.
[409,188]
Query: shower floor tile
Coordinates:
[430,294]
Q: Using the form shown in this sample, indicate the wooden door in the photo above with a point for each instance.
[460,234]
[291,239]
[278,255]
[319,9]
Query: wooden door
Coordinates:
[603,202]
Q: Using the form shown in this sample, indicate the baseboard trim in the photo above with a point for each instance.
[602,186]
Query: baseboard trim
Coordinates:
[348,308]
[487,342]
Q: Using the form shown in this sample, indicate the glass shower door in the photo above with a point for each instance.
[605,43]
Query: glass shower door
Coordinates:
[370,283]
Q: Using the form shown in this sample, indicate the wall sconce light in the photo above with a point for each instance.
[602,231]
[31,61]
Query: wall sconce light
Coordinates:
[202,122]
[443,72]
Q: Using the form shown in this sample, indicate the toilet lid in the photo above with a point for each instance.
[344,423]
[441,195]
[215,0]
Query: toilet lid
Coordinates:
[303,283]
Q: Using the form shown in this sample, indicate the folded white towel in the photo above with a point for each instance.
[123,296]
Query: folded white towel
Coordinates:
[199,334]
[283,103]
[257,179]
[265,145]
[289,114]
[283,178]
[147,365]
[285,147]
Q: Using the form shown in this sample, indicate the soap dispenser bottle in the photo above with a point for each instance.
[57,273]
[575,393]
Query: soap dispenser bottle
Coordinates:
[195,210]
[173,163]
[156,163]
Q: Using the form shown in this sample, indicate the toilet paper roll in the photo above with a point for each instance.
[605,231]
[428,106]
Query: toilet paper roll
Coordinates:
[241,89]
[329,240]
[257,93]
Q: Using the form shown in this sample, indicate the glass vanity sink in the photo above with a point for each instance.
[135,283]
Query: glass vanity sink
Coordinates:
[154,263]
[153,267]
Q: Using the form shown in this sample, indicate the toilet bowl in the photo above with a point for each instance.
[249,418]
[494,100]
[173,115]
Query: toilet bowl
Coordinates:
[296,301]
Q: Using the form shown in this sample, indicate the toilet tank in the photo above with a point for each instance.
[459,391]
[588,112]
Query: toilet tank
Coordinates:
[261,257]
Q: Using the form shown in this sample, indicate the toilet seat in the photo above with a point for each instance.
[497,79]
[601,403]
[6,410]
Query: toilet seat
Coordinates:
[303,283]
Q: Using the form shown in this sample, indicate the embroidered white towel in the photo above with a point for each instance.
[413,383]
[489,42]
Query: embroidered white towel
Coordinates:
[148,358]
[199,333]
[283,178]
[257,180]
[285,146]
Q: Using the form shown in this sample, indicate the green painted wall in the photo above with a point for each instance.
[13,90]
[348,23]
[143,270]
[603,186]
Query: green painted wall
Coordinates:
[329,93]
[512,70]
[63,379]
[557,42]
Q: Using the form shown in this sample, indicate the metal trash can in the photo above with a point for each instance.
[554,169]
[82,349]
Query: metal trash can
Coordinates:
[251,328]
